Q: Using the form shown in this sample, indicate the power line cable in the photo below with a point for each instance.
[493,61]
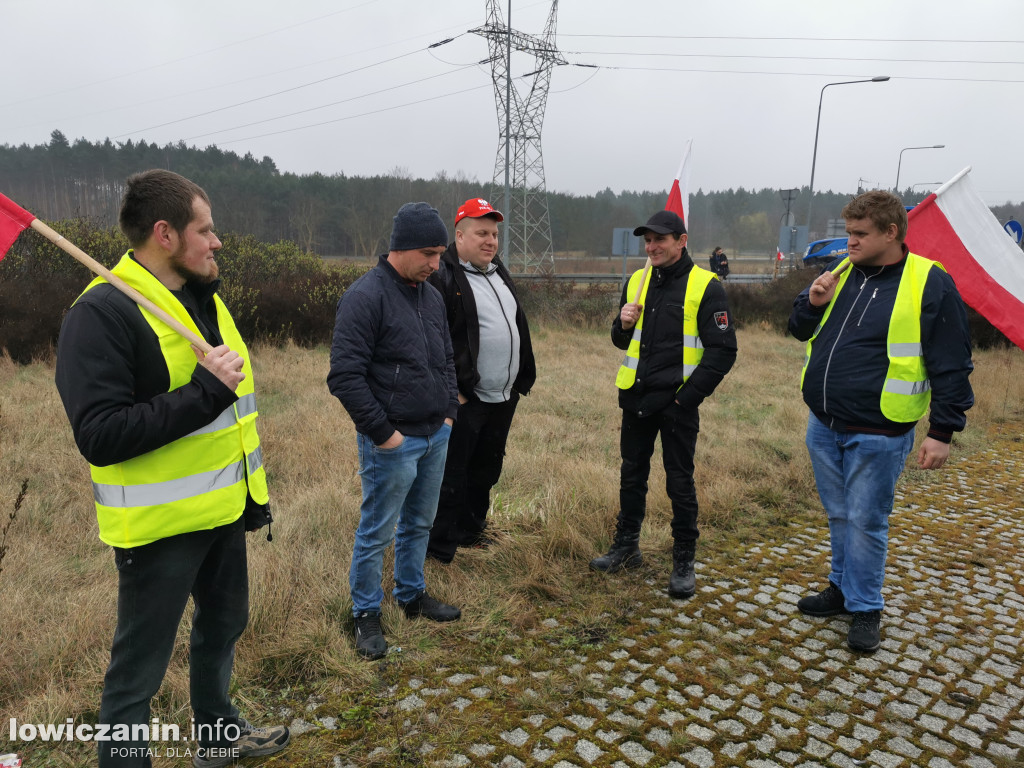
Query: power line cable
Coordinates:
[261,76]
[279,93]
[333,103]
[799,74]
[747,38]
[150,68]
[353,117]
[772,58]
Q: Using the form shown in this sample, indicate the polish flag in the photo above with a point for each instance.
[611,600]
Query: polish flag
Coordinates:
[679,195]
[955,227]
[13,219]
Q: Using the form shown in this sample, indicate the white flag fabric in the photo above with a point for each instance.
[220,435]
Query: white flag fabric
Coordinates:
[955,227]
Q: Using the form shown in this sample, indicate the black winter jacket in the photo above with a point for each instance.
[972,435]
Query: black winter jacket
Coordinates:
[453,283]
[844,379]
[391,359]
[659,374]
[113,379]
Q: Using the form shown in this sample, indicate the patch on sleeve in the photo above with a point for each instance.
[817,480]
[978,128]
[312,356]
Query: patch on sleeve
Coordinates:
[722,320]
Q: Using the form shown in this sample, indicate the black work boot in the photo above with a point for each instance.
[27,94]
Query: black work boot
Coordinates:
[625,553]
[828,602]
[683,581]
[370,642]
[430,608]
[864,633]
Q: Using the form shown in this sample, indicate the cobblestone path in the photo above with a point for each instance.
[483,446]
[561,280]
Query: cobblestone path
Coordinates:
[737,677]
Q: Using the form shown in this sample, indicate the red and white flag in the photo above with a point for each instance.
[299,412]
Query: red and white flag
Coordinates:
[13,219]
[679,195]
[955,227]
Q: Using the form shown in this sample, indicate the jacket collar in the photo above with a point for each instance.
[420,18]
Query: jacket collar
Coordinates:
[451,257]
[201,292]
[680,267]
[391,272]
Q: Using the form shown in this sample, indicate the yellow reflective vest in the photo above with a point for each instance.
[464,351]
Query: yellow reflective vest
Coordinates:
[199,481]
[693,350]
[906,393]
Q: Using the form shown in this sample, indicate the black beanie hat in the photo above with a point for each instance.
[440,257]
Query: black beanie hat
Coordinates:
[417,225]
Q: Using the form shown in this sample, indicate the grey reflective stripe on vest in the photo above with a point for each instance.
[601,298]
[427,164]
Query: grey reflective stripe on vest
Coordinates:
[169,491]
[245,406]
[898,387]
[909,349]
[688,370]
[692,341]
[633,362]
[255,459]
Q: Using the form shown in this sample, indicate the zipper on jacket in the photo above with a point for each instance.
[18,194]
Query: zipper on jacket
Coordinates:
[861,318]
[504,315]
[394,385]
[831,352]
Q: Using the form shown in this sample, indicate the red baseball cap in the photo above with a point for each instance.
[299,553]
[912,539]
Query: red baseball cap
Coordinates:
[475,208]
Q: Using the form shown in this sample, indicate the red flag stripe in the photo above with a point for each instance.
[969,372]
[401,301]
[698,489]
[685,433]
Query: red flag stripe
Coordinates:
[932,234]
[13,219]
[675,201]
[679,196]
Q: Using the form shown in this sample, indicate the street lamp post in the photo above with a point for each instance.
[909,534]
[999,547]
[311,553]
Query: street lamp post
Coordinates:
[900,163]
[814,157]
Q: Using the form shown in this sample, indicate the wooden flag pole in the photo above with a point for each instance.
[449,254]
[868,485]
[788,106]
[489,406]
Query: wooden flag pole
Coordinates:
[841,267]
[643,279]
[97,268]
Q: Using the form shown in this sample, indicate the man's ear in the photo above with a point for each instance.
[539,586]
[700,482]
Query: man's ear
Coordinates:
[164,235]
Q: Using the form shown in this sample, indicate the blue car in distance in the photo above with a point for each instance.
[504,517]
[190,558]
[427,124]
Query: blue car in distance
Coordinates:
[823,252]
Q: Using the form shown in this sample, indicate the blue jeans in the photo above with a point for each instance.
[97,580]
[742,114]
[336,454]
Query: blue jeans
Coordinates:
[856,474]
[400,485]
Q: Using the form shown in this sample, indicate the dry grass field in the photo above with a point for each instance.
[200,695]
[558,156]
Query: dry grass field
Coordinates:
[553,510]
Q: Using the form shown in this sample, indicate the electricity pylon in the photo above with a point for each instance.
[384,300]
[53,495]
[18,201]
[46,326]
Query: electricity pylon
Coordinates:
[521,117]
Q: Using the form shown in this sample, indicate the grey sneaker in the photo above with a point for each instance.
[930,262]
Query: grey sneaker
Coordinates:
[252,742]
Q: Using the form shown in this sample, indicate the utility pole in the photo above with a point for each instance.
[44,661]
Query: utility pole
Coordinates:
[520,160]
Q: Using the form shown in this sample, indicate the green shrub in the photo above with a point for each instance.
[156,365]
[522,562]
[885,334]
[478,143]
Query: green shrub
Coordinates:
[275,291]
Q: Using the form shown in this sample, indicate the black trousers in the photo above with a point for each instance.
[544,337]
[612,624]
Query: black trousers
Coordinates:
[154,584]
[476,453]
[678,430]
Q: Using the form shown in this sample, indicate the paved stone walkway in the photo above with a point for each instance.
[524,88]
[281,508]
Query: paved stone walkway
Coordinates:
[737,676]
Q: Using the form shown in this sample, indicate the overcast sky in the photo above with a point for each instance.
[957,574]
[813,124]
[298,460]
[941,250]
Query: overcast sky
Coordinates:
[350,86]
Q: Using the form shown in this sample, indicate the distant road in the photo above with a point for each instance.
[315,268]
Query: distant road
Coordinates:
[617,279]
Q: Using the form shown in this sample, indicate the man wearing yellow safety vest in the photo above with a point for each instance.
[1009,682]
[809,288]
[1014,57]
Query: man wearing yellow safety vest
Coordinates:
[886,339]
[680,343]
[176,466]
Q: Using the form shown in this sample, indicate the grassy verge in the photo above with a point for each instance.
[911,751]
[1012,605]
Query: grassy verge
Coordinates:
[554,509]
